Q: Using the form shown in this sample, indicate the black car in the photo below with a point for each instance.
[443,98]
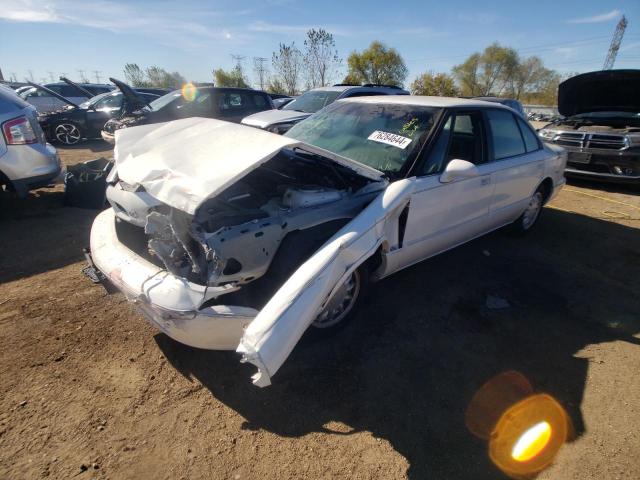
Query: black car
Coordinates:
[230,104]
[601,128]
[73,123]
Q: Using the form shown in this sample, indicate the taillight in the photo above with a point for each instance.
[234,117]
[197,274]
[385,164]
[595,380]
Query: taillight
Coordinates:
[19,131]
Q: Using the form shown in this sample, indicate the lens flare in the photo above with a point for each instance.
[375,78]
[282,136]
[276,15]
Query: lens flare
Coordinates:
[189,92]
[532,442]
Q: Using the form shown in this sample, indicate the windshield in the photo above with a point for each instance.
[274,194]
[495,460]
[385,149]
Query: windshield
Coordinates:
[381,136]
[94,100]
[312,101]
[165,100]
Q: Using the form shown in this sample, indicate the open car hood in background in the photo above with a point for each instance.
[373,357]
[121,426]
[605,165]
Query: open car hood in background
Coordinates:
[134,100]
[603,91]
[51,92]
[184,162]
[82,90]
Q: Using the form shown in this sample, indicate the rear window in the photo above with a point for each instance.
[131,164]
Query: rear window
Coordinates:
[530,138]
[507,141]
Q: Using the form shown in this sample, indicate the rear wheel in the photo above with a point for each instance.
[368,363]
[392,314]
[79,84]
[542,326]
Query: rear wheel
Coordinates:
[531,213]
[67,133]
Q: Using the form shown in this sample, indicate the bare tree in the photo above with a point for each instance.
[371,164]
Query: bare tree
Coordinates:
[287,63]
[321,58]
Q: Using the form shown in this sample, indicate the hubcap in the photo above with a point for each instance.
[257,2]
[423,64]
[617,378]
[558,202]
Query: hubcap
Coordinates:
[340,304]
[67,133]
[533,210]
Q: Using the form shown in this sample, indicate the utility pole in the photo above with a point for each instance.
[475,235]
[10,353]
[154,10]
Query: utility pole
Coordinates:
[51,76]
[83,79]
[14,78]
[260,70]
[238,68]
[30,72]
[97,74]
[1,76]
[615,44]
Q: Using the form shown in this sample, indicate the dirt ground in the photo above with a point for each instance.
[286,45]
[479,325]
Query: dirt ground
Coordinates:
[90,390]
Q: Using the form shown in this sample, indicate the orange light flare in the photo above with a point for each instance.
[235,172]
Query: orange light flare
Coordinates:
[524,430]
[189,92]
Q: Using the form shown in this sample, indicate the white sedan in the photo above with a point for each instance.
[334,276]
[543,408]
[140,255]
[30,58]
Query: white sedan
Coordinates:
[230,237]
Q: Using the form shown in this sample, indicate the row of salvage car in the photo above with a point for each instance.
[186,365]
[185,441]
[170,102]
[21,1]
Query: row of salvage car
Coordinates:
[234,237]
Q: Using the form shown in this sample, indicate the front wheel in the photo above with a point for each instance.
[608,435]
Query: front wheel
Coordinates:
[67,133]
[343,305]
[530,216]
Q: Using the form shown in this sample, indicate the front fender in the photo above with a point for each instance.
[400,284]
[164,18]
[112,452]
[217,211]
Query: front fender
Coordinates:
[272,335]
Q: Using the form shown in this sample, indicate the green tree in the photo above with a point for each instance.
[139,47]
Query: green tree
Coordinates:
[287,63]
[377,64]
[487,73]
[160,78]
[320,58]
[436,84]
[276,86]
[231,78]
[135,76]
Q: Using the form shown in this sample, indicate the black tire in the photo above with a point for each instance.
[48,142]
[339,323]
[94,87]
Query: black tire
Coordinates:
[532,213]
[67,133]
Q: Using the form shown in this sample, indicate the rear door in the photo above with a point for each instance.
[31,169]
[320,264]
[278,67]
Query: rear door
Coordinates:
[518,158]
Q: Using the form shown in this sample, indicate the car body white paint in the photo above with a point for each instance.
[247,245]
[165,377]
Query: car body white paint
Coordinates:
[444,210]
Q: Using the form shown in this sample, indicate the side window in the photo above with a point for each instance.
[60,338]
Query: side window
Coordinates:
[467,139]
[69,91]
[259,101]
[54,88]
[507,140]
[530,138]
[435,162]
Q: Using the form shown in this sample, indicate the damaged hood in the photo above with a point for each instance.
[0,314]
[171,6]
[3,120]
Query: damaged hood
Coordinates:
[603,91]
[184,162]
[133,99]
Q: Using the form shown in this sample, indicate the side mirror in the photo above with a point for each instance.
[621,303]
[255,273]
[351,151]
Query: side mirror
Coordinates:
[458,170]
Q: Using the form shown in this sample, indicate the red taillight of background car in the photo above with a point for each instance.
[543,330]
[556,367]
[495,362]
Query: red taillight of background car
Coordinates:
[19,131]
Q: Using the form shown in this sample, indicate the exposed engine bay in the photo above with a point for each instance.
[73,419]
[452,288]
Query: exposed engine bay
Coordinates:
[619,125]
[234,237]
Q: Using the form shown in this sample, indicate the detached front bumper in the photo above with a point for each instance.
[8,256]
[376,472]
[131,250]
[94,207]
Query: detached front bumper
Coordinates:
[169,302]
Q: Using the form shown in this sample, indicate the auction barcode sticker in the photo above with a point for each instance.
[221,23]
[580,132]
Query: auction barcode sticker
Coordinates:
[390,139]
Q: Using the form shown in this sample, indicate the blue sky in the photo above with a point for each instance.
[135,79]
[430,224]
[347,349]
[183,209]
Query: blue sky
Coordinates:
[50,37]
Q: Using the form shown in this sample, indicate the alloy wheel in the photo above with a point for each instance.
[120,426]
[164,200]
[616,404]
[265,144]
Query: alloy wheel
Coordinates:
[67,133]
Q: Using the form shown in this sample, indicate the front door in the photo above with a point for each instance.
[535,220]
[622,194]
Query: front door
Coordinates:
[443,215]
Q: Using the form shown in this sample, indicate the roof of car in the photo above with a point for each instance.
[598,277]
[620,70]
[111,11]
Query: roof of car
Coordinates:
[425,101]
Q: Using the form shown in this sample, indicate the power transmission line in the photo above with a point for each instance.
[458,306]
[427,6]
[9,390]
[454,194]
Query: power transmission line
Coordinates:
[97,74]
[260,70]
[83,79]
[51,76]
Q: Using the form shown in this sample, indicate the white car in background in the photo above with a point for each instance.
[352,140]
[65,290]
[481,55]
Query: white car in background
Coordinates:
[229,237]
[285,117]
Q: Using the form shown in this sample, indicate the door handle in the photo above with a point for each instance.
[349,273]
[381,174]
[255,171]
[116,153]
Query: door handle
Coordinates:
[485,181]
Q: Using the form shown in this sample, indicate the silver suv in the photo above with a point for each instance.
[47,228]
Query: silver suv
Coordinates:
[27,161]
[279,121]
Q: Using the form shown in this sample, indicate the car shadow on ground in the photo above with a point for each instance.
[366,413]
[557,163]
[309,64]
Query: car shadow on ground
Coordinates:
[408,365]
[38,233]
[94,145]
